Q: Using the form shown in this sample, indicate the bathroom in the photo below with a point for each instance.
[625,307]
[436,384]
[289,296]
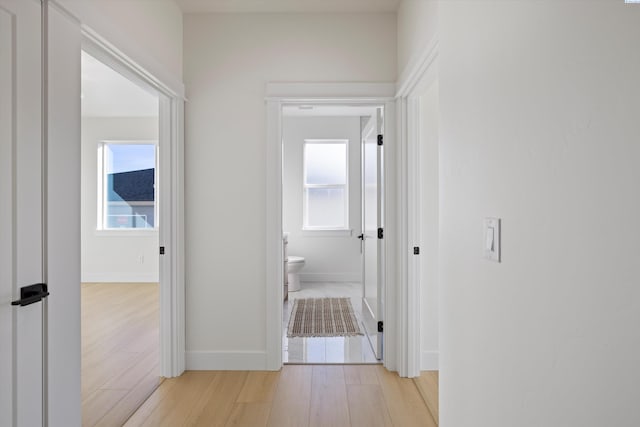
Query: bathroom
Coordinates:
[322,221]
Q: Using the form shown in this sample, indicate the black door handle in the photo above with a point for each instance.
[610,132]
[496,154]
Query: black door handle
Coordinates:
[361,237]
[31,294]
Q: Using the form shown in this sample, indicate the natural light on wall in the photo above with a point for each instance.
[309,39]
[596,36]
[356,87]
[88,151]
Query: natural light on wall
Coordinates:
[326,197]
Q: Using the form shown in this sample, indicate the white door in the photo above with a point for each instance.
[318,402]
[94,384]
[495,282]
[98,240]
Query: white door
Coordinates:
[21,230]
[373,231]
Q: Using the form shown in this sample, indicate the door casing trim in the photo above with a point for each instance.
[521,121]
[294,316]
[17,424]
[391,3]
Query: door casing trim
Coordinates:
[421,72]
[278,95]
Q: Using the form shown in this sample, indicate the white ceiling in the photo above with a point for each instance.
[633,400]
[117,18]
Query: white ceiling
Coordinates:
[106,93]
[295,6]
[328,111]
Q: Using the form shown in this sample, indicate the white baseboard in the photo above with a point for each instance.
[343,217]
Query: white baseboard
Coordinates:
[226,360]
[115,277]
[429,361]
[330,277]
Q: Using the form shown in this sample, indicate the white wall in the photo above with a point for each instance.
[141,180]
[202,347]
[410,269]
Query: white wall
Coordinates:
[114,256]
[417,28]
[329,256]
[539,126]
[148,31]
[228,60]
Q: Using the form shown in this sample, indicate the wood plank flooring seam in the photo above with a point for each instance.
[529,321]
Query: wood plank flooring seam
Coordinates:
[433,418]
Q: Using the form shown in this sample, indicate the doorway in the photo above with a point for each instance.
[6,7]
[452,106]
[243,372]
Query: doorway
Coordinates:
[279,95]
[41,81]
[120,290]
[331,190]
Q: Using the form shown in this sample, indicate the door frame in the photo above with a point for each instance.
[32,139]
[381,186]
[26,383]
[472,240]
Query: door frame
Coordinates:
[420,73]
[373,312]
[278,95]
[171,200]
[64,34]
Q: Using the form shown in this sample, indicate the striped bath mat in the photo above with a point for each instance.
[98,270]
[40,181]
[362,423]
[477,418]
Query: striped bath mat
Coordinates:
[323,317]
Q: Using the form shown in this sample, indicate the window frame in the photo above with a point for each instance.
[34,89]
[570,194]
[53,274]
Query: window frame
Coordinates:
[103,191]
[305,186]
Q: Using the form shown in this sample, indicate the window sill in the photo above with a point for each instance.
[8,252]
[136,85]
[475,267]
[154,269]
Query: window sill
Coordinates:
[131,232]
[326,233]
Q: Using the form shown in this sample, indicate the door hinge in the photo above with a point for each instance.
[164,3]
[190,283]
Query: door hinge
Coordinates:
[380,139]
[161,250]
[380,233]
[380,326]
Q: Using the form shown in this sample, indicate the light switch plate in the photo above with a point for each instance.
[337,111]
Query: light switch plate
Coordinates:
[492,239]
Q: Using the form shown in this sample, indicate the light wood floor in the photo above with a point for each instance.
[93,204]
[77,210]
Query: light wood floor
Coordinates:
[427,384]
[120,350]
[297,396]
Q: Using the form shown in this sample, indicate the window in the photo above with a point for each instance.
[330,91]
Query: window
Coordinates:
[325,199]
[127,176]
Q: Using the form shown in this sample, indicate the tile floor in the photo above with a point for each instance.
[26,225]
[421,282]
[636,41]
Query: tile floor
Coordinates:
[333,349]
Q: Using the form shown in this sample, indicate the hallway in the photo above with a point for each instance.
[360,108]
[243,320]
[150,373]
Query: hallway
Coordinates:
[297,396]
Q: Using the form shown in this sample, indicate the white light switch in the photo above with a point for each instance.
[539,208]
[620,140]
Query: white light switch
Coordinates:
[492,239]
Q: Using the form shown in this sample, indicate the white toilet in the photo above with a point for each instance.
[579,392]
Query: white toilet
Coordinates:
[294,265]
